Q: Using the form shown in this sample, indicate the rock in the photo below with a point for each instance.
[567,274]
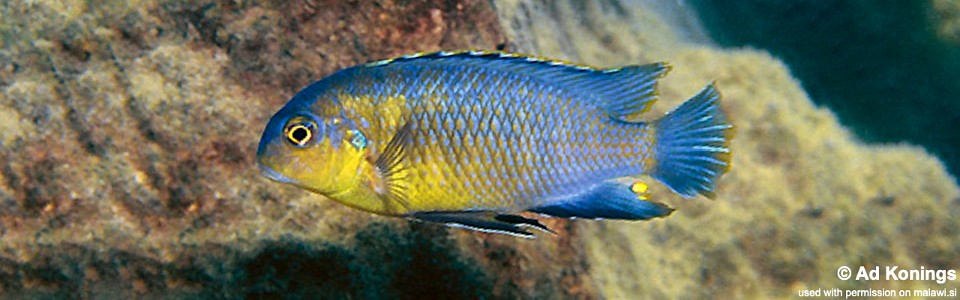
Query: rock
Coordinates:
[758,239]
[129,130]
[948,20]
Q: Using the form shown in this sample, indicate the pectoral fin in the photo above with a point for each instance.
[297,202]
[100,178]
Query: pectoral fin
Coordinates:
[486,221]
[393,167]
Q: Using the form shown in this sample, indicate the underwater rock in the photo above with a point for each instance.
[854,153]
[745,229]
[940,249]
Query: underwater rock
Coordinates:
[128,132]
[758,239]
[880,67]
[948,20]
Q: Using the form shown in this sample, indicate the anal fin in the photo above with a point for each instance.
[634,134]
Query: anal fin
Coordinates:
[612,199]
[486,221]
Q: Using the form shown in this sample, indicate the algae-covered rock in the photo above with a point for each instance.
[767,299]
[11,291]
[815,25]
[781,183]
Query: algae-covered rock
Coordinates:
[802,199]
[129,130]
[948,20]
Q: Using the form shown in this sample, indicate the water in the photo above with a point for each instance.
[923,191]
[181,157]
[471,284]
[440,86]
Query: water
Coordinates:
[879,65]
[129,132]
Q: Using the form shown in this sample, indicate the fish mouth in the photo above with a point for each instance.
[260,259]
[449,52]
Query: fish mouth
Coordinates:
[273,175]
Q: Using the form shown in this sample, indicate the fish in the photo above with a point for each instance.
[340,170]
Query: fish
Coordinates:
[494,141]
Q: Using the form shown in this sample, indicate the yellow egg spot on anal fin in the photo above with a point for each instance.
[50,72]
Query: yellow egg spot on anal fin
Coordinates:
[640,188]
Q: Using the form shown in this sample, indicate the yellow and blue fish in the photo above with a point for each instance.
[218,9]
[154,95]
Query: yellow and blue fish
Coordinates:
[472,138]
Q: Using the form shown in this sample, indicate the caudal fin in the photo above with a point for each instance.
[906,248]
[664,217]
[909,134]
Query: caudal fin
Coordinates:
[692,145]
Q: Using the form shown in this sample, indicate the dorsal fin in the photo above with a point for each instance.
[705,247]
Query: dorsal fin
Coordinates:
[620,91]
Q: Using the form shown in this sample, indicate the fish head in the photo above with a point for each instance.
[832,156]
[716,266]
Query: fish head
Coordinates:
[318,151]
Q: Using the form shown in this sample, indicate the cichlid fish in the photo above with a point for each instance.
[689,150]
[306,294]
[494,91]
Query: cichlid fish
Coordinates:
[469,138]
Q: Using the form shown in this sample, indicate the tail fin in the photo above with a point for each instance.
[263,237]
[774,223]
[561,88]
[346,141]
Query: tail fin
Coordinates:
[692,145]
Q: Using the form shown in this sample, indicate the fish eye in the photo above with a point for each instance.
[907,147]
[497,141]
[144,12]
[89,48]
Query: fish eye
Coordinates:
[299,133]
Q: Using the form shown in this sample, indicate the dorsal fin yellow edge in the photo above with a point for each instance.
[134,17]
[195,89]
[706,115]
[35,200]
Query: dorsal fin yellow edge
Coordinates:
[488,53]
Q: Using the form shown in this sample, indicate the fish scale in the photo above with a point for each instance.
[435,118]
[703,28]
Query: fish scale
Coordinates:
[512,190]
[466,137]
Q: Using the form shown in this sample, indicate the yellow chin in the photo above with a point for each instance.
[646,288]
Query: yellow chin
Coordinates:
[344,175]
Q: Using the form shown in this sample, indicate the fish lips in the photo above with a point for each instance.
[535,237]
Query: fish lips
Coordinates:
[272,174]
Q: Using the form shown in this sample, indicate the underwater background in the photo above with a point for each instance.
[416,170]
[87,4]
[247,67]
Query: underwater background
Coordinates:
[128,132]
[888,70]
